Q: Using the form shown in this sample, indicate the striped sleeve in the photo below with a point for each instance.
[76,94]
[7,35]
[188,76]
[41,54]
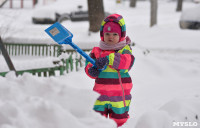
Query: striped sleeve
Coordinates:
[121,61]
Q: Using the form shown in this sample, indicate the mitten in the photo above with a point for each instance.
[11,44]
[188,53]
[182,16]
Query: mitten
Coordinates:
[101,62]
[94,72]
[128,40]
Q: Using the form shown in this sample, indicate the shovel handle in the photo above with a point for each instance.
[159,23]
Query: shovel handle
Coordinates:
[86,56]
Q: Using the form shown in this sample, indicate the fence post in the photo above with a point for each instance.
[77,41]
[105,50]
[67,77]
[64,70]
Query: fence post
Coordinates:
[34,2]
[81,65]
[19,49]
[61,70]
[15,50]
[42,50]
[39,74]
[71,63]
[54,50]
[76,63]
[22,4]
[35,50]
[67,65]
[32,49]
[10,3]
[45,74]
[22,49]
[12,50]
[39,50]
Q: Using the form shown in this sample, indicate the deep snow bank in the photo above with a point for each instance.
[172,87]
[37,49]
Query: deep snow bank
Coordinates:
[179,113]
[29,101]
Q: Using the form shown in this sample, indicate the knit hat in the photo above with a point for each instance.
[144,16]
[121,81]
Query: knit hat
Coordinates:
[112,27]
[113,23]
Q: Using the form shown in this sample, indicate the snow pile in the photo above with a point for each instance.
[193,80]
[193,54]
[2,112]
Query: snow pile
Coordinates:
[192,14]
[176,113]
[29,101]
[165,74]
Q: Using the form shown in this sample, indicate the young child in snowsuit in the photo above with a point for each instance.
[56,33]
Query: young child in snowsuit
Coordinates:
[113,83]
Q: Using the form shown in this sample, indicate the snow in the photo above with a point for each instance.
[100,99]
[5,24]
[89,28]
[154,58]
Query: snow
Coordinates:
[29,101]
[165,75]
[191,14]
[173,112]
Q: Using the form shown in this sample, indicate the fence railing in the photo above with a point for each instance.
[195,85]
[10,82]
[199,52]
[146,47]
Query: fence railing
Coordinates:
[73,62]
[32,49]
[21,3]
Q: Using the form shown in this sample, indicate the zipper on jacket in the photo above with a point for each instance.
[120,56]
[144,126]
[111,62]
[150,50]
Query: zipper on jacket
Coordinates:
[123,95]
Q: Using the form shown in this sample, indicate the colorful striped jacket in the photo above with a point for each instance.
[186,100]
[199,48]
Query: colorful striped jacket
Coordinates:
[114,83]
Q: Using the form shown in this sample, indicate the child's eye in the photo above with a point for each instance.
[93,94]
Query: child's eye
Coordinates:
[115,34]
[107,34]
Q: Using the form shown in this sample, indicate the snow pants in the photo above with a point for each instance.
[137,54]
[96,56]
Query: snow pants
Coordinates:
[113,107]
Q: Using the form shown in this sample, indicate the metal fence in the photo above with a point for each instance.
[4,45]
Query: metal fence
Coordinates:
[32,49]
[63,66]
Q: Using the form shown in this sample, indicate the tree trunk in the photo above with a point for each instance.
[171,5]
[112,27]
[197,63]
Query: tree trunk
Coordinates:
[133,3]
[179,5]
[154,7]
[96,14]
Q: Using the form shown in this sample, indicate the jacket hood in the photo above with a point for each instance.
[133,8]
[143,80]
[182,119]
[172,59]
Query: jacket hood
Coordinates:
[117,19]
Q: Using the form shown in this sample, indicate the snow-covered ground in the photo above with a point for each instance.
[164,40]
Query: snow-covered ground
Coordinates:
[166,91]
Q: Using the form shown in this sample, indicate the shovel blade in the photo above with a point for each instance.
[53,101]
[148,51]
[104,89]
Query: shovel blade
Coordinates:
[59,33]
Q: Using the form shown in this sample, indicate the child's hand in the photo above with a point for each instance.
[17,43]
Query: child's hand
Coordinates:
[94,72]
[128,40]
[101,62]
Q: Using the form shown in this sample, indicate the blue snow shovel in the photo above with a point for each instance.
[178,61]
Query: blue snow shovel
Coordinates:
[63,36]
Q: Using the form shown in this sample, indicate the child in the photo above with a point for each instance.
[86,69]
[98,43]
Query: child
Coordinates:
[113,61]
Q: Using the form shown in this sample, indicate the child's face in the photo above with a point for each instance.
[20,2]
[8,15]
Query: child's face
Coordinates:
[111,38]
